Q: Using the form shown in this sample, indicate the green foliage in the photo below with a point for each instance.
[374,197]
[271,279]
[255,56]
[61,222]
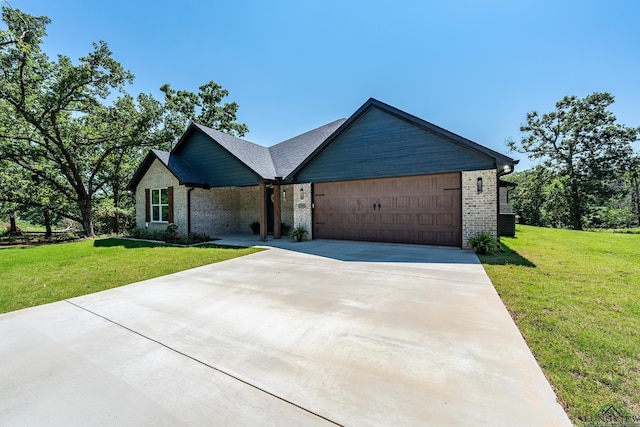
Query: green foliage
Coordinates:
[169,235]
[540,199]
[43,274]
[574,296]
[299,233]
[581,146]
[171,232]
[57,127]
[255,227]
[105,215]
[483,243]
[142,233]
[71,136]
[285,228]
[206,108]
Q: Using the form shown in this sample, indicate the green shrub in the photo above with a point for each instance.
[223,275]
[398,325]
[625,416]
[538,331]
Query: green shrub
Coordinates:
[143,233]
[255,227]
[199,238]
[483,243]
[299,232]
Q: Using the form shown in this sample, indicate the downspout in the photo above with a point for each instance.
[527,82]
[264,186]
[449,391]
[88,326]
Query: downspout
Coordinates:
[189,210]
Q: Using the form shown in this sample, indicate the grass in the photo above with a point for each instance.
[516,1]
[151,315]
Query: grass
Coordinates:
[37,275]
[576,298]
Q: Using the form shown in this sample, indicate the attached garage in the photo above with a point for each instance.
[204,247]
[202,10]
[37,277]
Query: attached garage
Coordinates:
[422,209]
[380,175]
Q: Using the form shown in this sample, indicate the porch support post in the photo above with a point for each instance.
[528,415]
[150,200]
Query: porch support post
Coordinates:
[277,232]
[263,212]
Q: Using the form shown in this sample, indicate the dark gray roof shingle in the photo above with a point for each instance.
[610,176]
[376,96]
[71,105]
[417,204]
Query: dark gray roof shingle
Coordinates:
[278,160]
[253,155]
[179,168]
[287,155]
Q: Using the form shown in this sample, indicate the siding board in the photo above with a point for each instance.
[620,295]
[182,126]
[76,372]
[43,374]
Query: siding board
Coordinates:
[380,145]
[214,164]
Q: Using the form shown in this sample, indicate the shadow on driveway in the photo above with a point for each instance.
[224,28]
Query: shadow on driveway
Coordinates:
[351,251]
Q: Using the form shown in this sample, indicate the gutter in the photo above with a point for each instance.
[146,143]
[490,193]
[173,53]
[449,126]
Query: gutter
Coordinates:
[189,209]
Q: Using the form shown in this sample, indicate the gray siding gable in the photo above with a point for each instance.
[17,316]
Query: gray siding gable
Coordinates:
[289,154]
[214,163]
[380,144]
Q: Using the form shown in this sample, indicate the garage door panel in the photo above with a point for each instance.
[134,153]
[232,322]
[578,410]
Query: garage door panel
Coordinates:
[423,209]
[444,219]
[403,202]
[425,219]
[387,219]
[403,219]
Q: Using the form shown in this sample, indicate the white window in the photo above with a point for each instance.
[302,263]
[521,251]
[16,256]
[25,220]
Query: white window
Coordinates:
[160,205]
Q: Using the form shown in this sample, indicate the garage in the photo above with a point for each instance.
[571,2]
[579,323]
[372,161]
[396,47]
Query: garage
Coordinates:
[423,209]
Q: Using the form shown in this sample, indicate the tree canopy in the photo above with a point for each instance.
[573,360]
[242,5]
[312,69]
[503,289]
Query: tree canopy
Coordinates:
[70,132]
[581,148]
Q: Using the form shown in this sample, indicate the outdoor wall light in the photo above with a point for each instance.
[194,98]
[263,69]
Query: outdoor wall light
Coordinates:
[479,185]
[146,225]
[284,194]
[302,193]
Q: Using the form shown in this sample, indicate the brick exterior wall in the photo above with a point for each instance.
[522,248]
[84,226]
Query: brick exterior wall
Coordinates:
[249,207]
[286,205]
[158,176]
[302,208]
[216,211]
[479,209]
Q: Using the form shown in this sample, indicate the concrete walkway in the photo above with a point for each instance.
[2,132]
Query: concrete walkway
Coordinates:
[331,333]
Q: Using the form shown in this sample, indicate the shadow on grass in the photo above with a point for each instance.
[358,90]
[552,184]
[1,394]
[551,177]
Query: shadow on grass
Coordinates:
[508,257]
[136,244]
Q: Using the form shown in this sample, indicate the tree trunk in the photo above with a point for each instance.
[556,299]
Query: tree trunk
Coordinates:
[47,223]
[575,208]
[116,214]
[636,196]
[13,229]
[86,209]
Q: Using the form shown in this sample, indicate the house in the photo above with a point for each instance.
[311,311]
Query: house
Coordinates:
[380,175]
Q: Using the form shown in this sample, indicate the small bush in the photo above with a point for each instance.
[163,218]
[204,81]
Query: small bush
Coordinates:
[143,233]
[484,243]
[199,238]
[299,232]
[255,227]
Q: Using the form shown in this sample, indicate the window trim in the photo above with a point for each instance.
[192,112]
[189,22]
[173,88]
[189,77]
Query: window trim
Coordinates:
[160,205]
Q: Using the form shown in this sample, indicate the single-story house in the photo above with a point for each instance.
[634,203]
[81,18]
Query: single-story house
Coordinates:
[380,175]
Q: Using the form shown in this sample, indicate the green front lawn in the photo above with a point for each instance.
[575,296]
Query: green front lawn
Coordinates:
[576,298]
[37,275]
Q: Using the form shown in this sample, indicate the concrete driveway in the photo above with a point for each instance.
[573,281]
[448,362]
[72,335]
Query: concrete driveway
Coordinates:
[332,333]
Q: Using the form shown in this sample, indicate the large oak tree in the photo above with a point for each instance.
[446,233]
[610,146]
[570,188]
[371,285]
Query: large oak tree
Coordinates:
[580,144]
[71,132]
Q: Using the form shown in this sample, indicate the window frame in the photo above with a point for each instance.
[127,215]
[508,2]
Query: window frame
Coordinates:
[159,205]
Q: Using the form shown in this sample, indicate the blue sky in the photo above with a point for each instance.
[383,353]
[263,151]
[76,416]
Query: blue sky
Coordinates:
[473,67]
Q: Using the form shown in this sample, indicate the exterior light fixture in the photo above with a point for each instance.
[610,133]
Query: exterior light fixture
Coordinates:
[302,193]
[479,185]
[284,194]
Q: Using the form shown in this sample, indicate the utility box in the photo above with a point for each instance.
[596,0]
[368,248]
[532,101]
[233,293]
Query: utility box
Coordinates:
[507,224]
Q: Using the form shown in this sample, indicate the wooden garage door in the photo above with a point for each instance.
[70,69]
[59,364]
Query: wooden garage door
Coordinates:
[419,209]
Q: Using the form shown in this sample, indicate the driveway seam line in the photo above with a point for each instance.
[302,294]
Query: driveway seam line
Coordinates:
[206,364]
